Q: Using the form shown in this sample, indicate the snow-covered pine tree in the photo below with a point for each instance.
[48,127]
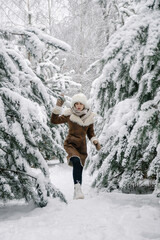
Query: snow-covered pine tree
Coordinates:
[35,45]
[26,138]
[50,69]
[127,98]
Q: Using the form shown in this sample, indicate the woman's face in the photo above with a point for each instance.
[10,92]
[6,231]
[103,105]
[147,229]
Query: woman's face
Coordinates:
[79,106]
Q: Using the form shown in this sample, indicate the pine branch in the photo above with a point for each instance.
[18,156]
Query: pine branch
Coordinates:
[116,176]
[17,172]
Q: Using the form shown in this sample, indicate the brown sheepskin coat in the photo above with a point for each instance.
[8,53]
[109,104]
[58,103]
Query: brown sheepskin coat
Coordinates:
[75,143]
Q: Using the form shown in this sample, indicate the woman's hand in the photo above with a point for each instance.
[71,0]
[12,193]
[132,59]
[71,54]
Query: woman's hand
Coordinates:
[60,100]
[97,145]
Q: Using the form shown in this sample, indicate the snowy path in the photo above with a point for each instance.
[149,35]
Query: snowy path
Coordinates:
[101,216]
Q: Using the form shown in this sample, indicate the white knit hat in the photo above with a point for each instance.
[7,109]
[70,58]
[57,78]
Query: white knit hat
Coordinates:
[80,97]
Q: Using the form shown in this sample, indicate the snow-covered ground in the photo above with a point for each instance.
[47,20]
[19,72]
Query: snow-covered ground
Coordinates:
[100,216]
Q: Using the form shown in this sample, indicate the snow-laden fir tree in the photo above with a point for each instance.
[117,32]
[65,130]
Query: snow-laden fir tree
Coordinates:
[26,137]
[127,98]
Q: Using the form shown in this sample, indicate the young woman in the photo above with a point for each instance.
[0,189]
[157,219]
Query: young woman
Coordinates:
[80,121]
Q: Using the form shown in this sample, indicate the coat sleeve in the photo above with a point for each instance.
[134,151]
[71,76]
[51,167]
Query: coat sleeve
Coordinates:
[56,118]
[91,134]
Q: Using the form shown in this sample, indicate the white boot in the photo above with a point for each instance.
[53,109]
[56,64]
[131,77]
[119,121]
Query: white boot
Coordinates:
[78,192]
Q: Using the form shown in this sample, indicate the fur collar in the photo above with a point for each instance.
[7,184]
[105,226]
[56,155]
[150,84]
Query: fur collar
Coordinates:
[78,120]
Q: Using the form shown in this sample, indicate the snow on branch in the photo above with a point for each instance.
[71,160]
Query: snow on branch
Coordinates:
[50,40]
[39,37]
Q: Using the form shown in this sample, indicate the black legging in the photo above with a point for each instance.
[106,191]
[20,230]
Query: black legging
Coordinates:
[77,170]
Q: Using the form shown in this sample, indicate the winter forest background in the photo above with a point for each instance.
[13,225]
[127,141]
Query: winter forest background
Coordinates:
[109,50]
